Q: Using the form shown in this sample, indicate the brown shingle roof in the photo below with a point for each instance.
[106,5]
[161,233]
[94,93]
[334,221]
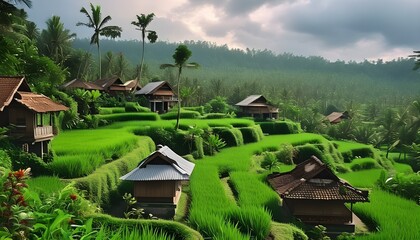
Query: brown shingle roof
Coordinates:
[38,102]
[335,117]
[8,88]
[107,82]
[312,179]
[131,84]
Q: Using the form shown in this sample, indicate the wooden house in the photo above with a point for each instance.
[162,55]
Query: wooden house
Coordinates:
[312,193]
[132,85]
[337,117]
[113,85]
[257,106]
[28,115]
[158,181]
[160,95]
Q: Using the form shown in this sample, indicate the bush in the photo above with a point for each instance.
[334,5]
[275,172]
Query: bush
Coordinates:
[216,116]
[5,160]
[135,107]
[120,117]
[269,161]
[199,109]
[232,136]
[304,152]
[280,127]
[23,160]
[363,164]
[184,114]
[251,134]
[286,153]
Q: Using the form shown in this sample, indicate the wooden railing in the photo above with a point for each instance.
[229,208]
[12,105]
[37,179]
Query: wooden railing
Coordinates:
[44,131]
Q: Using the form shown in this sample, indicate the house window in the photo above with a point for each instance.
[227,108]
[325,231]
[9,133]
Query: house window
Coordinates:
[43,119]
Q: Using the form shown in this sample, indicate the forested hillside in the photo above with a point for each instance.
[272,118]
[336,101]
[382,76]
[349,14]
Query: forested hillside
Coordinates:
[235,73]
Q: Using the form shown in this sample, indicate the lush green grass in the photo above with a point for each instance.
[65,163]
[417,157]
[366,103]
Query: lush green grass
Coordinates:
[282,231]
[403,168]
[363,178]
[46,184]
[395,217]
[80,152]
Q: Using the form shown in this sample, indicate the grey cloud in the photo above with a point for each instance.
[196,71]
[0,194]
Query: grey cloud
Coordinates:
[344,22]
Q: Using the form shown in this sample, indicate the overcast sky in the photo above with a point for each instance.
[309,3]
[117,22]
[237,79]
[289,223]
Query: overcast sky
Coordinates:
[334,29]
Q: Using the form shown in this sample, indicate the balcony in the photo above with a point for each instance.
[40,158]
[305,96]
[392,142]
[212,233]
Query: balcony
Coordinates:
[43,132]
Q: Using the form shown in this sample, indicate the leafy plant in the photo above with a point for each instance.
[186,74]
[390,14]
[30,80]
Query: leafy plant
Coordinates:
[213,144]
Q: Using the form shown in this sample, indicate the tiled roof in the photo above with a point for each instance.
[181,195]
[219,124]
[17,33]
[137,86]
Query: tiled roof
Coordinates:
[77,83]
[174,168]
[8,88]
[335,117]
[107,82]
[312,179]
[38,102]
[150,88]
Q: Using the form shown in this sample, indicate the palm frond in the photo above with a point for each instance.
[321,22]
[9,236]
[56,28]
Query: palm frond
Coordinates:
[167,65]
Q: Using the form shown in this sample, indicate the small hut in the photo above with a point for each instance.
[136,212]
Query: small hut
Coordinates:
[28,115]
[80,84]
[158,181]
[312,193]
[257,106]
[337,117]
[160,95]
[112,85]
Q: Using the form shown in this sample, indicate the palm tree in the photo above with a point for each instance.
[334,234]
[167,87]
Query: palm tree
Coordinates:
[56,40]
[142,22]
[181,56]
[98,24]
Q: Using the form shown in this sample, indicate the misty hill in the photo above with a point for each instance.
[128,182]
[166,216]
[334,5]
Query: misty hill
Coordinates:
[221,57]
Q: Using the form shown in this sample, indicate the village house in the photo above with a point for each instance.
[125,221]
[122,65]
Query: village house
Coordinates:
[258,107]
[28,115]
[312,193]
[112,85]
[158,181]
[337,117]
[160,96]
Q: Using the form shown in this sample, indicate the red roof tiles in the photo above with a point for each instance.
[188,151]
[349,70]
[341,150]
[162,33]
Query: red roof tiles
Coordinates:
[8,88]
[313,180]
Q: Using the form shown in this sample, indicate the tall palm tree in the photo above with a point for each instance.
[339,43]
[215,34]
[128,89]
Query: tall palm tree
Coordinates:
[142,22]
[181,56]
[56,40]
[96,22]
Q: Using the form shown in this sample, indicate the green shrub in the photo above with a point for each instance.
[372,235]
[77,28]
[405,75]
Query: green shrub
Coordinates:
[105,111]
[170,228]
[251,134]
[280,127]
[135,107]
[119,117]
[269,161]
[216,116]
[232,136]
[23,160]
[184,114]
[304,152]
[5,160]
[199,109]
[363,164]
[285,153]
[365,152]
[198,153]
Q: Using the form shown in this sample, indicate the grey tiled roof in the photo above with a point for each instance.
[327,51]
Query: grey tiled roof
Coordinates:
[149,88]
[176,167]
[155,173]
[250,99]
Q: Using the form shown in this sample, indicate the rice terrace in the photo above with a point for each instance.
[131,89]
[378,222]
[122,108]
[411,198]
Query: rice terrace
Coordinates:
[107,137]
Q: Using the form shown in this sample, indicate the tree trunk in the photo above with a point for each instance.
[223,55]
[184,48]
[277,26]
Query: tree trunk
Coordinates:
[179,98]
